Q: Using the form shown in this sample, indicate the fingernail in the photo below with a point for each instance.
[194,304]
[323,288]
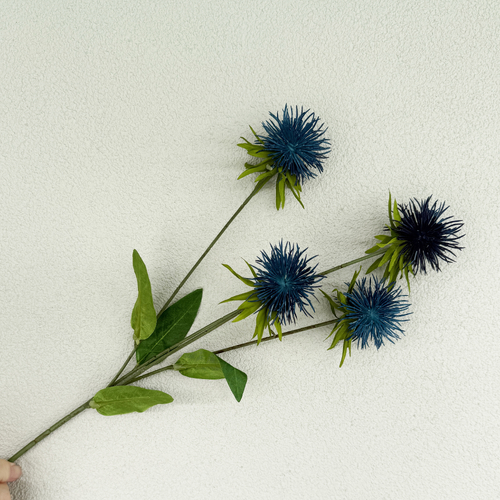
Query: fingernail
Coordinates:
[15,473]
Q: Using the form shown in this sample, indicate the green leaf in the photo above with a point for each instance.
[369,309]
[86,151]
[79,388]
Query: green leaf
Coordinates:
[127,399]
[375,248]
[143,319]
[173,325]
[281,188]
[236,379]
[199,364]
[333,306]
[251,269]
[353,281]
[390,206]
[278,194]
[245,280]
[206,365]
[247,311]
[260,323]
[374,266]
[252,170]
[269,173]
[396,212]
[256,136]
[241,296]
[347,345]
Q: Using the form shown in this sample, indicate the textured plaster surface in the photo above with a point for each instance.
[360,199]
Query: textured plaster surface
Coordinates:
[118,126]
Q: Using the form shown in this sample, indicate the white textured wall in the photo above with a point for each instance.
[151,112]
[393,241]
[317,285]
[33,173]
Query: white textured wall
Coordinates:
[118,125]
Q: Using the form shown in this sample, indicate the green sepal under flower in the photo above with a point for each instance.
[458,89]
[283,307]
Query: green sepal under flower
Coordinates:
[267,169]
[393,257]
[265,318]
[342,328]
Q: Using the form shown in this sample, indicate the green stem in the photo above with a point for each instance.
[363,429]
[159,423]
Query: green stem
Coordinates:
[355,261]
[120,371]
[258,187]
[43,435]
[239,346]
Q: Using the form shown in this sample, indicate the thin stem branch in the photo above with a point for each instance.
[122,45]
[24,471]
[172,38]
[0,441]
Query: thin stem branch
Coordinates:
[258,187]
[355,261]
[49,431]
[239,346]
[115,378]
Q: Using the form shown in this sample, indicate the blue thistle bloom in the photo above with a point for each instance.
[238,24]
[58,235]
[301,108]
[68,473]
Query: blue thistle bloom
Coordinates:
[375,313]
[282,283]
[367,313]
[427,236]
[420,236]
[293,150]
[296,143]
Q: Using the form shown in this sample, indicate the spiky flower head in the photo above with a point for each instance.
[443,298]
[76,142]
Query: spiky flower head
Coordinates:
[368,312]
[282,282]
[294,147]
[420,236]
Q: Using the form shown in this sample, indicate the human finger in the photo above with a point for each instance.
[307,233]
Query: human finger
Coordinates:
[9,472]
[4,492]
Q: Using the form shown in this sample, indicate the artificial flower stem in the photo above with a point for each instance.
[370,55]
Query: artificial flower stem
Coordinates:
[239,346]
[49,431]
[258,187]
[355,261]
[138,370]
[115,378]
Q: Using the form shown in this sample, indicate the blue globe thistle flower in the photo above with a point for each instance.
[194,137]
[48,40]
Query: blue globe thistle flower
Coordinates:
[282,282]
[369,312]
[420,236]
[294,148]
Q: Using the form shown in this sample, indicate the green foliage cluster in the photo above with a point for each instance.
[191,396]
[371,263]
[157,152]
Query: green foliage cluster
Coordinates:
[266,170]
[393,257]
[265,318]
[155,335]
[342,328]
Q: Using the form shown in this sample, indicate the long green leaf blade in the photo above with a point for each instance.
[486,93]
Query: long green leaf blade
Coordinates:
[127,399]
[173,325]
[143,319]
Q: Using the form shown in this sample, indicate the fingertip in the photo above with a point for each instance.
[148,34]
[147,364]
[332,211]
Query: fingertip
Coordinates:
[15,473]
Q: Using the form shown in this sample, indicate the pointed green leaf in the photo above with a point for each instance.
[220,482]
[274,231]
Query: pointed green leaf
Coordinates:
[395,212]
[251,269]
[281,188]
[390,207]
[265,175]
[374,266]
[245,280]
[388,254]
[252,170]
[353,281]
[173,325]
[143,319]
[119,400]
[333,306]
[247,311]
[241,296]
[199,364]
[256,136]
[347,345]
[375,248]
[236,379]
[260,323]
